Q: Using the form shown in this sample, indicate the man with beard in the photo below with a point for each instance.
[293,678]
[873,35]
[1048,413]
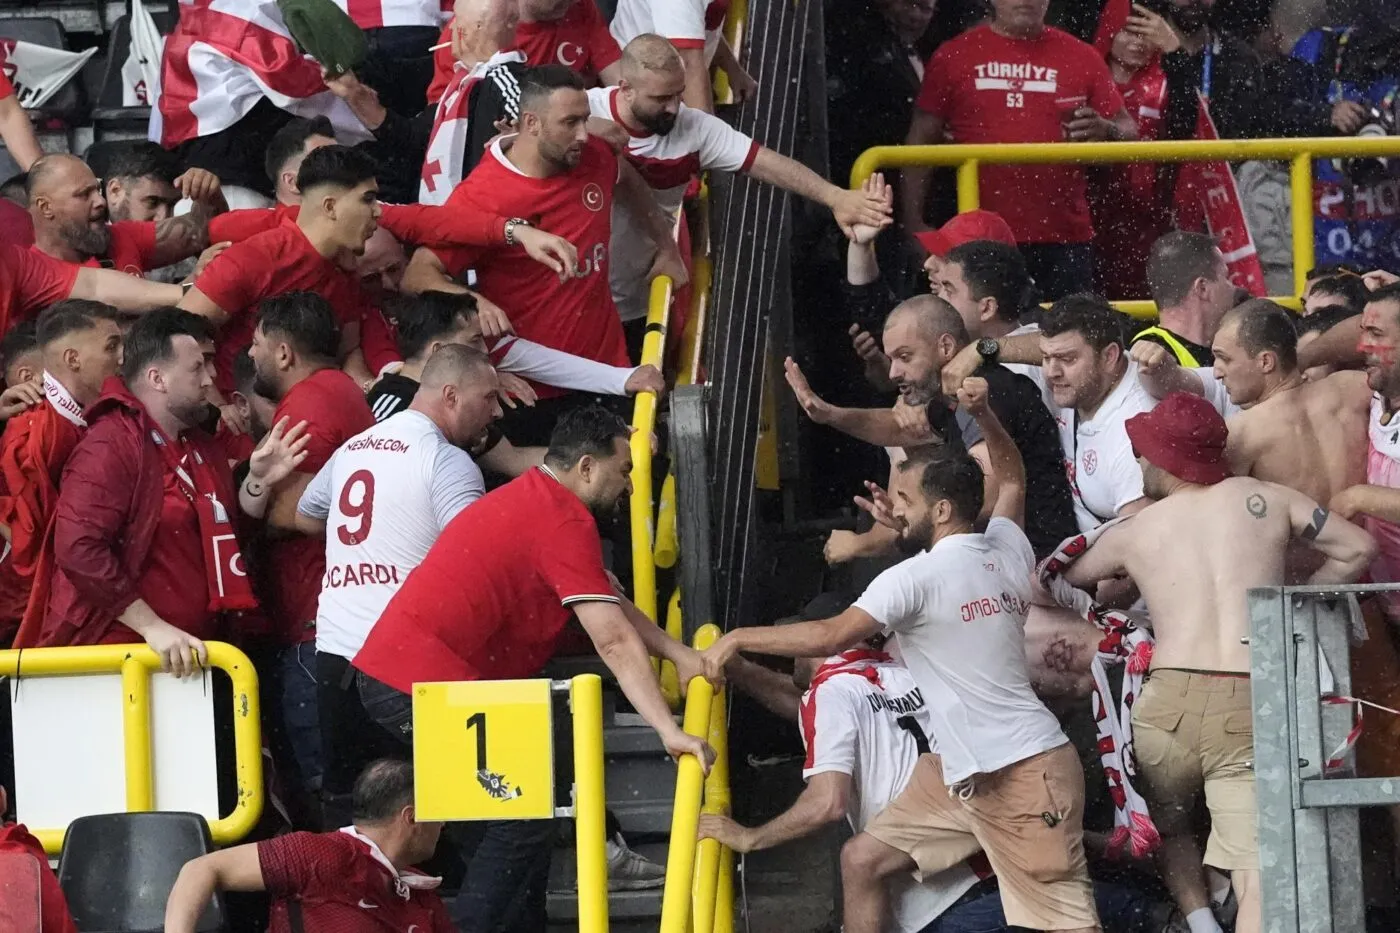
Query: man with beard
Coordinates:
[553,172]
[294,356]
[143,509]
[1226,535]
[535,558]
[1005,780]
[70,220]
[669,143]
[920,336]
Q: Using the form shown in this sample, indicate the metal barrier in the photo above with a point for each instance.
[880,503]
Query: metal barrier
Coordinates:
[699,892]
[1299,153]
[643,428]
[136,664]
[1309,835]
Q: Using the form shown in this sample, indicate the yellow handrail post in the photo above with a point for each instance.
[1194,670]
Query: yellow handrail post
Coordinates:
[644,425]
[709,858]
[136,737]
[724,892]
[1300,172]
[969,194]
[670,679]
[685,815]
[590,803]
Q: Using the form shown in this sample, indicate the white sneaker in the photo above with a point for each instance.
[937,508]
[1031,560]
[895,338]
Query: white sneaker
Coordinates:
[628,871]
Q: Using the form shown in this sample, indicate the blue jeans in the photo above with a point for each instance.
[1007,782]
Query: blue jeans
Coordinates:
[1121,910]
[507,860]
[297,666]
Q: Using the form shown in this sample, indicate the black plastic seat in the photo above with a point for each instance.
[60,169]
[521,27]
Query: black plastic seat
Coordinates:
[108,112]
[69,105]
[117,870]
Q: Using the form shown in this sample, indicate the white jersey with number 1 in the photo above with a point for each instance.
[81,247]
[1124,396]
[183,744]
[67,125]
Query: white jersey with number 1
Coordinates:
[385,496]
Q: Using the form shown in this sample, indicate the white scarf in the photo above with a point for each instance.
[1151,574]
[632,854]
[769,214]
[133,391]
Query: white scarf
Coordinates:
[447,146]
[1123,643]
[405,882]
[62,400]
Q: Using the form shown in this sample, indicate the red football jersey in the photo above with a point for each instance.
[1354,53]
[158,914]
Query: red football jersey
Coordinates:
[988,88]
[237,226]
[335,410]
[577,315]
[130,250]
[29,281]
[344,884]
[492,597]
[268,264]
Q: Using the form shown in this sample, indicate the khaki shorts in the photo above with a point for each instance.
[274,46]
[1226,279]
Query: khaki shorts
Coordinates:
[1029,820]
[1195,731]
[1375,676]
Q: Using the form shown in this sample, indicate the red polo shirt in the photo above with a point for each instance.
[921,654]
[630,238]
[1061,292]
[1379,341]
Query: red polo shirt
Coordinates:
[130,250]
[491,598]
[30,281]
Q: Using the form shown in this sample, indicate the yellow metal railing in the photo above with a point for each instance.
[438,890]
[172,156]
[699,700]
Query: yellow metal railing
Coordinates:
[1299,153]
[643,430]
[735,24]
[590,803]
[699,892]
[136,664]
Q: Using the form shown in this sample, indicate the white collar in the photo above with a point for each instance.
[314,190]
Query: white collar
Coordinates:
[406,882]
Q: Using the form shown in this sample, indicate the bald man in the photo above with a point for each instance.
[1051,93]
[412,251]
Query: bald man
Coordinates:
[669,143]
[415,466]
[921,335]
[70,222]
[427,155]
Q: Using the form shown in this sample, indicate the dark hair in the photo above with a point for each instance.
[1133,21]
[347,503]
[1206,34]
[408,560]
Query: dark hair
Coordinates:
[1324,319]
[340,166]
[1090,316]
[304,320]
[1350,288]
[245,373]
[1328,270]
[1263,325]
[995,270]
[431,316]
[538,83]
[291,139]
[21,339]
[132,158]
[954,476]
[587,431]
[1387,293]
[71,316]
[1177,260]
[381,791]
[152,338]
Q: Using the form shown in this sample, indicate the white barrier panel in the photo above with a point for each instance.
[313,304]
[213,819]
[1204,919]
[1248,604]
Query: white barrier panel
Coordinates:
[69,750]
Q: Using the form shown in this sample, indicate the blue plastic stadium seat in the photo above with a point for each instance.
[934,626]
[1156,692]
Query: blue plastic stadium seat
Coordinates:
[117,870]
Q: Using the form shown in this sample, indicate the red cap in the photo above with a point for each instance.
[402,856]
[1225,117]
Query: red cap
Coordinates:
[1183,435]
[964,228]
[1111,22]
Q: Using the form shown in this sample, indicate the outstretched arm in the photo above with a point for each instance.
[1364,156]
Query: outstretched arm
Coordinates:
[848,207]
[1349,550]
[823,801]
[1007,469]
[235,869]
[1103,561]
[1161,374]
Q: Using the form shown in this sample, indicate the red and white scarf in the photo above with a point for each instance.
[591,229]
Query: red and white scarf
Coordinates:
[1123,643]
[447,146]
[226,572]
[62,400]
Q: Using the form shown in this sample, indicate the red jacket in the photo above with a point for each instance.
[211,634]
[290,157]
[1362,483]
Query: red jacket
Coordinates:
[53,908]
[109,506]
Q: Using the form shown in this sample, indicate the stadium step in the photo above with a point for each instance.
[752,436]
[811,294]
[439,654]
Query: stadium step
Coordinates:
[624,907]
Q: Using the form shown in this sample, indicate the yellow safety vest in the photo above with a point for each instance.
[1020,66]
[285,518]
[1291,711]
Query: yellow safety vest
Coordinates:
[1183,355]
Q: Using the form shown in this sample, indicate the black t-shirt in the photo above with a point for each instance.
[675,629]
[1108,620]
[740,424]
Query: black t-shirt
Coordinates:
[394,393]
[1018,405]
[1204,355]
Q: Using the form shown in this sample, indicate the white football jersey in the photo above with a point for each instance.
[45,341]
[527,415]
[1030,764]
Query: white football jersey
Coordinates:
[385,496]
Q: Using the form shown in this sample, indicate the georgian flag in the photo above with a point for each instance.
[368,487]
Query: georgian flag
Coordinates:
[37,71]
[226,55]
[447,146]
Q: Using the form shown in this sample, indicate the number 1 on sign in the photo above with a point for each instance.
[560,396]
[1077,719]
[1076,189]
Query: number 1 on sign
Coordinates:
[478,720]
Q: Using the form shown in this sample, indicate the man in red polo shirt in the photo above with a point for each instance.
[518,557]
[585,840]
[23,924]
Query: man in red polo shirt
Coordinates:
[31,281]
[491,601]
[1015,80]
[70,221]
[143,543]
[551,32]
[81,344]
[294,358]
[553,172]
[359,878]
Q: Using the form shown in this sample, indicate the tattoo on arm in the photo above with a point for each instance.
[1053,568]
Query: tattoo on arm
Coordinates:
[1257,506]
[179,237]
[1319,518]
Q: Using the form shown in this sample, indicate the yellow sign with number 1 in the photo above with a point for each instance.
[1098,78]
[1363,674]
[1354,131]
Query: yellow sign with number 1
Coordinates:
[483,750]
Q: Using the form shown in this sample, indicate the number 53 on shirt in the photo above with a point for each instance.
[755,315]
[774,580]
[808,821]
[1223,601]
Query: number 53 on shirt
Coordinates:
[483,750]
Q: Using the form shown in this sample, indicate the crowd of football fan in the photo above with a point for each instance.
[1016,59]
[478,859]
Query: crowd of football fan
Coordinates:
[300,401]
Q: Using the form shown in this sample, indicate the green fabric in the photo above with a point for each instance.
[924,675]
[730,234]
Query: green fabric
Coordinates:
[326,33]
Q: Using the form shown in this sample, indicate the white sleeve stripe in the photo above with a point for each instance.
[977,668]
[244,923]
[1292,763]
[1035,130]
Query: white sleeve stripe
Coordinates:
[590,598]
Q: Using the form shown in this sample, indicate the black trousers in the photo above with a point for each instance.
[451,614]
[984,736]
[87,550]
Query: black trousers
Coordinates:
[350,739]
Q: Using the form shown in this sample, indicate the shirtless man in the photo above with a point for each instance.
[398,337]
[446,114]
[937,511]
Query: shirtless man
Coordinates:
[1206,540]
